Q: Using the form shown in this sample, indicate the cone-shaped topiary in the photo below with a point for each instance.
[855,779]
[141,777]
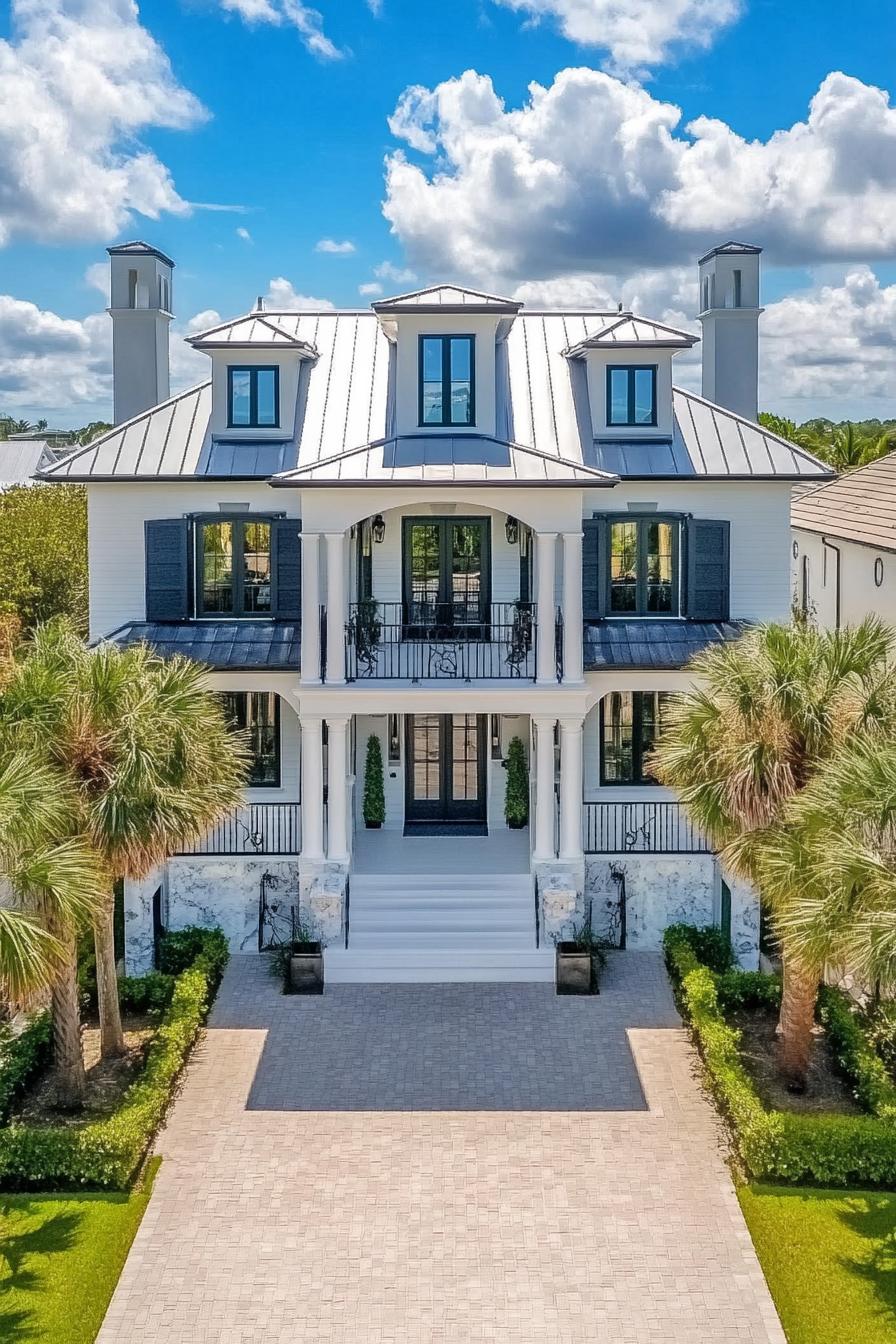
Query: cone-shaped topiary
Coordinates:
[374,795]
[516,799]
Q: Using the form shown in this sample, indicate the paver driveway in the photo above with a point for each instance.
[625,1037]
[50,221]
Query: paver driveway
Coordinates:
[410,1164]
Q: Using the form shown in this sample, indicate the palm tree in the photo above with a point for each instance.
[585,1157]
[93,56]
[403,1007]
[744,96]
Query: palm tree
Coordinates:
[834,875]
[770,711]
[50,884]
[149,753]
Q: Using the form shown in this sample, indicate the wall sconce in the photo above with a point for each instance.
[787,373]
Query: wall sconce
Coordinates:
[378,527]
[511,530]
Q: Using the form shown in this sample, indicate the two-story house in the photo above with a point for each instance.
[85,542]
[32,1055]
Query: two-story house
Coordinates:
[446,521]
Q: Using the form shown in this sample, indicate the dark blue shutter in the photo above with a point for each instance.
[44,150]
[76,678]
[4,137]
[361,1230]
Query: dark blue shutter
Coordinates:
[167,543]
[594,579]
[708,550]
[287,569]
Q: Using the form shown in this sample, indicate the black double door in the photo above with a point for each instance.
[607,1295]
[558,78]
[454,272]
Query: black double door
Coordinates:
[446,769]
[446,573]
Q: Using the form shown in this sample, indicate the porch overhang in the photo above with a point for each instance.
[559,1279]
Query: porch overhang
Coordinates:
[652,645]
[231,646]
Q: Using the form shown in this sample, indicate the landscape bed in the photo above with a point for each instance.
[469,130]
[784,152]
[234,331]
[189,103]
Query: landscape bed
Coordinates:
[823,1148]
[106,1153]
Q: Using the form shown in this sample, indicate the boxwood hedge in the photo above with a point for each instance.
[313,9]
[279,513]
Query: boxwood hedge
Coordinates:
[105,1154]
[832,1150]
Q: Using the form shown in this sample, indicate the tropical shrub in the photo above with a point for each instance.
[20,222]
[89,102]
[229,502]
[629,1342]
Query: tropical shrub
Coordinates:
[374,802]
[516,797]
[22,1055]
[880,1027]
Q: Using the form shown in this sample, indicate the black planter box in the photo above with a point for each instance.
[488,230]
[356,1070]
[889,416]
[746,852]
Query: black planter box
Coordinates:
[306,968]
[576,970]
[373,825]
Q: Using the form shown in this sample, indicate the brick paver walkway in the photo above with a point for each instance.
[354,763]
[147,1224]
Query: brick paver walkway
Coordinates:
[421,1164]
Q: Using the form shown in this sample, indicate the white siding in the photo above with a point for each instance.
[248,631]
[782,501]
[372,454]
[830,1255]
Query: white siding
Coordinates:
[859,595]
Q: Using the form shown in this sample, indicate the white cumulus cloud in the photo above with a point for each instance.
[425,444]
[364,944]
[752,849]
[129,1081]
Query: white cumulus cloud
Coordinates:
[308,22]
[592,174]
[335,248]
[79,81]
[370,290]
[283,297]
[637,34]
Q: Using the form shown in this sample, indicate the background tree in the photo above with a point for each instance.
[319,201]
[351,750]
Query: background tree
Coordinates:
[50,884]
[845,445]
[43,554]
[770,712]
[148,753]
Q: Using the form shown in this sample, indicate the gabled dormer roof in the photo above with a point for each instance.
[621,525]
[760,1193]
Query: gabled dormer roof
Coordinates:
[256,329]
[731,249]
[629,332]
[136,248]
[447,299]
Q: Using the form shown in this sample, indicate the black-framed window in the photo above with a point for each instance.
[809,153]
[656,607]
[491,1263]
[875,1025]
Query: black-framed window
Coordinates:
[447,378]
[643,566]
[233,567]
[631,394]
[629,725]
[257,713]
[253,396]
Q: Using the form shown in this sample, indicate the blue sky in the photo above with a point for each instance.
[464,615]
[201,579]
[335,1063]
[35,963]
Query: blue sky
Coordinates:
[297,139]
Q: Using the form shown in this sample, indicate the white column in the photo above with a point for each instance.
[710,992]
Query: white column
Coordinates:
[571,734]
[336,615]
[544,790]
[572,606]
[337,813]
[312,787]
[545,555]
[310,607]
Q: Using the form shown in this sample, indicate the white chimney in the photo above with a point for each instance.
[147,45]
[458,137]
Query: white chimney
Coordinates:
[140,309]
[729,315]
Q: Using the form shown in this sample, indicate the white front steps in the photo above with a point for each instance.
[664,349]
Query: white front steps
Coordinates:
[409,928]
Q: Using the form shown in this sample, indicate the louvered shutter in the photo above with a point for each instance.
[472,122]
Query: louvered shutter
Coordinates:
[594,578]
[708,551]
[167,543]
[288,569]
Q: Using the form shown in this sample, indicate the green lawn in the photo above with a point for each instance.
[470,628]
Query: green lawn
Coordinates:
[830,1260]
[60,1258]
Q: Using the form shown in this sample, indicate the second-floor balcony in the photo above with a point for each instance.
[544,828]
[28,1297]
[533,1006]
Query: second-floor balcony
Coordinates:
[423,641]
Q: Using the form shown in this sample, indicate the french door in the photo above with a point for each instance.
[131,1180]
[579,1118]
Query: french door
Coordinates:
[445,575]
[445,768]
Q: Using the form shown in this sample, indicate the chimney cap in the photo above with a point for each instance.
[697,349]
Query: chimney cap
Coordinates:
[138,249]
[731,249]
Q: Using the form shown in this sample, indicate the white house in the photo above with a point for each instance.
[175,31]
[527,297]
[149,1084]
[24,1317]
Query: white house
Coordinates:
[844,546]
[446,521]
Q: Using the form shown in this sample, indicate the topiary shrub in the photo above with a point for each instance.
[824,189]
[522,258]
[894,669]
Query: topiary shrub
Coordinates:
[516,796]
[374,803]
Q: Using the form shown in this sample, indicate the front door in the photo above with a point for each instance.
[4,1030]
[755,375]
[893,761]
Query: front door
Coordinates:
[445,769]
[446,569]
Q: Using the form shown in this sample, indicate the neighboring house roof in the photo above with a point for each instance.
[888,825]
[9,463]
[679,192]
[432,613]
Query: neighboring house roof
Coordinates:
[630,332]
[652,644]
[859,506]
[22,458]
[707,441]
[449,459]
[223,645]
[446,298]
[257,329]
[731,249]
[347,405]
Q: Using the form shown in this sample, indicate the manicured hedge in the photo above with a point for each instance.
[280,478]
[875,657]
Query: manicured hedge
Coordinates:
[22,1054]
[832,1150]
[106,1153]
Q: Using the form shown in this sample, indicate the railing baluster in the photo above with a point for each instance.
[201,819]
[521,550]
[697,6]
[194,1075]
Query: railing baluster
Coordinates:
[641,828]
[437,641]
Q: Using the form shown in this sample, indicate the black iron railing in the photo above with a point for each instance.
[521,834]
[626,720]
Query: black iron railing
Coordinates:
[558,644]
[441,641]
[641,828]
[254,828]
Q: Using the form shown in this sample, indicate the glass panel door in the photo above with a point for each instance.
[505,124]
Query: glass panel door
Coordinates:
[446,569]
[446,768]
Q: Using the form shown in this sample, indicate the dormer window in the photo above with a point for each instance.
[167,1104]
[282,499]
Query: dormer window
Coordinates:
[447,381]
[631,394]
[253,397]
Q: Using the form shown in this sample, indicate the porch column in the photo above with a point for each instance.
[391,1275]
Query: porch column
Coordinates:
[571,735]
[545,554]
[544,790]
[310,607]
[312,787]
[335,607]
[337,814]
[572,606]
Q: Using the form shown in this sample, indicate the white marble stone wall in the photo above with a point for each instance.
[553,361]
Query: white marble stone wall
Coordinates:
[664,889]
[138,944]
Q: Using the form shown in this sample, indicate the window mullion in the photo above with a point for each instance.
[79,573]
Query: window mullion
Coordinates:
[253,397]
[637,747]
[631,396]
[238,568]
[641,581]
[446,380]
